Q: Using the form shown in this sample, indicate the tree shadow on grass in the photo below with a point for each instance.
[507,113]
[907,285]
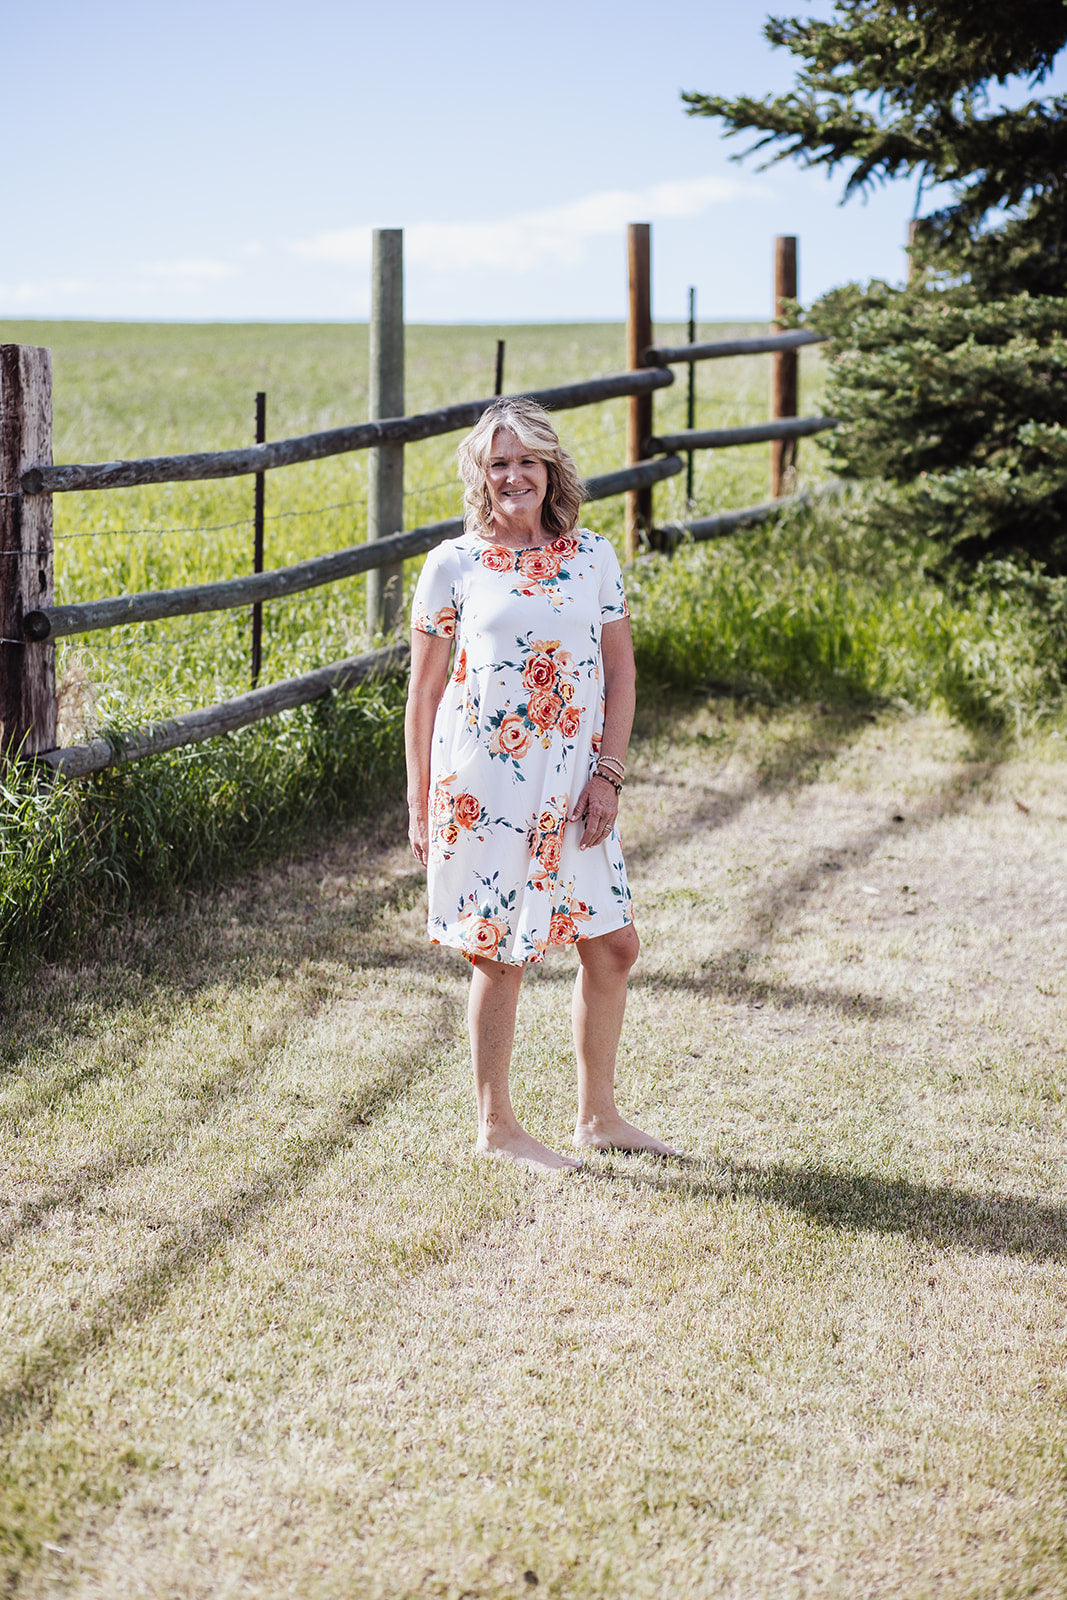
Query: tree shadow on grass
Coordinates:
[793,763]
[935,1214]
[773,906]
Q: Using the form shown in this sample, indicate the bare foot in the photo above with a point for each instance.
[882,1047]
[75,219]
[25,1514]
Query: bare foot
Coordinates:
[526,1151]
[613,1133]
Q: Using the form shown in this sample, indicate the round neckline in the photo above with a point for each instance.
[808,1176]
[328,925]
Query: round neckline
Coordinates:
[526,549]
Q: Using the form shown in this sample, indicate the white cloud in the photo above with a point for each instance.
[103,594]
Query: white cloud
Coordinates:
[193,270]
[28,294]
[350,247]
[531,238]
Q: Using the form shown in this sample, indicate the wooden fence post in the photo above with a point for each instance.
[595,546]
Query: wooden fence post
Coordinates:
[638,340]
[385,474]
[691,396]
[258,508]
[27,671]
[784,368]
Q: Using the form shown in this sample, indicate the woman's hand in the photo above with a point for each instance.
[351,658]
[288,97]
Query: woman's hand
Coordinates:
[419,830]
[598,803]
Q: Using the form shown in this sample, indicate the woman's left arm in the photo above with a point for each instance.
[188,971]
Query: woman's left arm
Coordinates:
[598,802]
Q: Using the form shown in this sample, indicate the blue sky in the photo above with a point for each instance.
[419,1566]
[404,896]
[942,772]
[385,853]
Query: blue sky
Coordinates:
[221,159]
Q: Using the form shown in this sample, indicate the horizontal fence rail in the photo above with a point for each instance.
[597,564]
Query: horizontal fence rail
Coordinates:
[726,522]
[756,433]
[334,442]
[31,480]
[57,622]
[79,760]
[676,354]
[192,727]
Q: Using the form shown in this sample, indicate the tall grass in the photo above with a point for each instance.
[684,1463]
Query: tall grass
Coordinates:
[817,606]
[75,854]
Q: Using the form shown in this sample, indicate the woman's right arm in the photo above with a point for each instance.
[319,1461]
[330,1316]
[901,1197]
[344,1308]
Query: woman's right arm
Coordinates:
[429,675]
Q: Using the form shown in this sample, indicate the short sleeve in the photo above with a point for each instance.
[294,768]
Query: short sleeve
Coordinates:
[434,607]
[612,595]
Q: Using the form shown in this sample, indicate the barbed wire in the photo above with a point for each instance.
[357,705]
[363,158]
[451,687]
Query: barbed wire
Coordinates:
[224,527]
[159,642]
[431,488]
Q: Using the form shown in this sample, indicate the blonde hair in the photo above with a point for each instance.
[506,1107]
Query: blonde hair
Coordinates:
[530,424]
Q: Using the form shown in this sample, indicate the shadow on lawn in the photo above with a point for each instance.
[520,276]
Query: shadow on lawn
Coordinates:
[794,762]
[725,979]
[186,1245]
[773,908]
[934,1214]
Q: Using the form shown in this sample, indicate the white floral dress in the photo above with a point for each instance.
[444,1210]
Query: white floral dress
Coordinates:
[515,741]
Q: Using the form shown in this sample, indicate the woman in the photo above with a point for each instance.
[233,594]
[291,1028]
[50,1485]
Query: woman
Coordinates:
[516,762]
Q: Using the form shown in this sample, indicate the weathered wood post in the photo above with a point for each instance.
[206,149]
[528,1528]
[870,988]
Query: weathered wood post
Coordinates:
[258,509]
[691,395]
[385,474]
[27,671]
[638,339]
[784,368]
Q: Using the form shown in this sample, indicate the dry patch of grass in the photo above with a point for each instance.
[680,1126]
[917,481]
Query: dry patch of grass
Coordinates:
[269,1330]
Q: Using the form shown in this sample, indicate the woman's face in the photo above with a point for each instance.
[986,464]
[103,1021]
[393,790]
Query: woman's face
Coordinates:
[517,481]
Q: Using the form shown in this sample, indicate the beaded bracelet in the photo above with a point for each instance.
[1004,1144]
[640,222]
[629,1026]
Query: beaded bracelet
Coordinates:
[614,765]
[608,777]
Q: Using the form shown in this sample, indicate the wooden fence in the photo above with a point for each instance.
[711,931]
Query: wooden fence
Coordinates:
[30,621]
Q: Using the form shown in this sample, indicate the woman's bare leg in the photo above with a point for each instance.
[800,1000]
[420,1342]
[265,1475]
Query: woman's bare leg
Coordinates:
[491,1008]
[596,1014]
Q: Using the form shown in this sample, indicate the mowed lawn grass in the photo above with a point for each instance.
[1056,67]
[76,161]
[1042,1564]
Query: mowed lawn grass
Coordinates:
[270,1330]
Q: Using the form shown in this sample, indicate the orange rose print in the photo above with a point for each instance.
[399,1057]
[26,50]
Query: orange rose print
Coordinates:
[539,565]
[570,722]
[466,810]
[540,674]
[440,804]
[445,622]
[483,936]
[543,710]
[460,673]
[562,929]
[497,559]
[512,738]
[549,853]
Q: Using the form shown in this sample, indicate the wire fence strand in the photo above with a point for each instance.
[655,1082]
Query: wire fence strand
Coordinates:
[225,527]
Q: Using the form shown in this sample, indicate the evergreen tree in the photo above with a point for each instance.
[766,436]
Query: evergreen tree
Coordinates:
[952,390]
[889,88]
